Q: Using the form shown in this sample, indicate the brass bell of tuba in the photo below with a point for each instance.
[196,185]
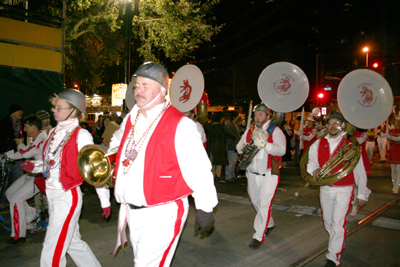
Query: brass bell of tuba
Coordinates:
[95,166]
[365,100]
[347,158]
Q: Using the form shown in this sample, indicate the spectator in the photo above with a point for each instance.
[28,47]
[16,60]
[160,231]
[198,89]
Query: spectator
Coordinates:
[45,117]
[121,117]
[216,146]
[287,131]
[98,132]
[10,131]
[98,123]
[232,128]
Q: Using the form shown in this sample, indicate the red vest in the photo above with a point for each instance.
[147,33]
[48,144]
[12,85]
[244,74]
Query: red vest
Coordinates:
[69,172]
[163,181]
[324,156]
[394,152]
[270,140]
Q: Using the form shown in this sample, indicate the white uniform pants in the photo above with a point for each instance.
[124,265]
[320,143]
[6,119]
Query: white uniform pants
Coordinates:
[62,233]
[382,141]
[155,232]
[20,212]
[369,147]
[395,177]
[261,191]
[335,203]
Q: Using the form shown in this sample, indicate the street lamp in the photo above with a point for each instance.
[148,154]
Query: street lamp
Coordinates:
[366,49]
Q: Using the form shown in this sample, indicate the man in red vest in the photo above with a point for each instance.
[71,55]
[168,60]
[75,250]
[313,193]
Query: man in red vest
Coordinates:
[160,162]
[263,171]
[336,198]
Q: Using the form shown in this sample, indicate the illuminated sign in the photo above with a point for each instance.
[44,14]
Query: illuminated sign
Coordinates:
[118,94]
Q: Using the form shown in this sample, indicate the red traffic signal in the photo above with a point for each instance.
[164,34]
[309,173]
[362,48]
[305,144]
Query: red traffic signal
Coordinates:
[320,95]
[375,65]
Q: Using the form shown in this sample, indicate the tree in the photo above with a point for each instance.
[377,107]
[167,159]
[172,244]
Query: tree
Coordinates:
[164,29]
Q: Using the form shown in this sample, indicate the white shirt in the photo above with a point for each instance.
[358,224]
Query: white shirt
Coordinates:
[193,161]
[200,129]
[260,161]
[33,149]
[360,177]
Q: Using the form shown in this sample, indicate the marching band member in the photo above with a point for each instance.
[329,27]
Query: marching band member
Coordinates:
[309,132]
[335,199]
[394,154]
[382,141]
[24,187]
[160,162]
[263,172]
[64,196]
[370,144]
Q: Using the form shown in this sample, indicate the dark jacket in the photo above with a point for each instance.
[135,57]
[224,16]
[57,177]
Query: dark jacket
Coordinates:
[216,143]
[231,128]
[7,135]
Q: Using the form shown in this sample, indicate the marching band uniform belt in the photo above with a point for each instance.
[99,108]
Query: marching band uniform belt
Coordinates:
[133,207]
[256,173]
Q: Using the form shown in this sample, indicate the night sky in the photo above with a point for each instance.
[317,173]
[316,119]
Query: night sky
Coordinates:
[259,33]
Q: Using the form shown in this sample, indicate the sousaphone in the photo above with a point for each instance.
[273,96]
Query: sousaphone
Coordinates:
[187,88]
[365,100]
[283,87]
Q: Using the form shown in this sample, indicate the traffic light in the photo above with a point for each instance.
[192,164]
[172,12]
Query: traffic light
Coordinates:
[375,65]
[320,96]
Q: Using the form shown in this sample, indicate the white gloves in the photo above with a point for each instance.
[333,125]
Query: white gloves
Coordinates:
[260,138]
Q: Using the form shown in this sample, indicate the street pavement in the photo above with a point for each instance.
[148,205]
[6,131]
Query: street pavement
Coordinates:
[299,238]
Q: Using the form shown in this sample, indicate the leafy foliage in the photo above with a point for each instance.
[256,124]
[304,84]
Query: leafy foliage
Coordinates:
[164,29]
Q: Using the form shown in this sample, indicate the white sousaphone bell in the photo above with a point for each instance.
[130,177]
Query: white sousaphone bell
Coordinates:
[187,87]
[283,87]
[365,100]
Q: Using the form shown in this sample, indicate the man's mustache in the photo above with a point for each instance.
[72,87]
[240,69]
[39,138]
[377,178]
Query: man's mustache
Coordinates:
[140,96]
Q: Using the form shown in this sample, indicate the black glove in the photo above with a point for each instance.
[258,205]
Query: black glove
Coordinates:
[204,221]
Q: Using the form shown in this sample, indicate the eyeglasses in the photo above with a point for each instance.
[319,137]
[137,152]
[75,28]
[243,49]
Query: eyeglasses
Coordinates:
[334,123]
[58,109]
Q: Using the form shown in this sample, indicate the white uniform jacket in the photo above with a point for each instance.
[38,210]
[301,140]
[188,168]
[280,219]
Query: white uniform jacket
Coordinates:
[260,161]
[193,161]
[360,177]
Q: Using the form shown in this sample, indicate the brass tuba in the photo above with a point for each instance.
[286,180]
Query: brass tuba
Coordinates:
[365,100]
[283,87]
[250,150]
[347,157]
[95,166]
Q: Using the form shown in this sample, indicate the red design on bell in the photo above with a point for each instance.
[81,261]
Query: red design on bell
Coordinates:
[187,91]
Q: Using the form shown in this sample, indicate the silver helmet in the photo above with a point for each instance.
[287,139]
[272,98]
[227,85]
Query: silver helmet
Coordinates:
[74,97]
[261,107]
[153,71]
